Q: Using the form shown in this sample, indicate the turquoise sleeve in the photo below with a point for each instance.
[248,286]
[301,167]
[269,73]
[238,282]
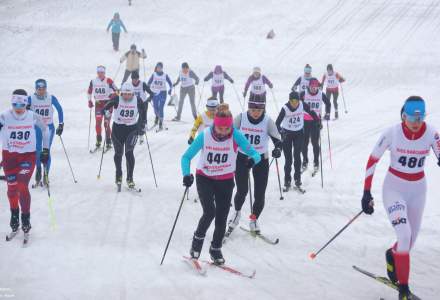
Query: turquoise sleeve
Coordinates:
[247,148]
[190,153]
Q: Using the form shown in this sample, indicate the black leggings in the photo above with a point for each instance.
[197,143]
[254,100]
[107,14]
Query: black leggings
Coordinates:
[311,131]
[215,198]
[124,136]
[335,97]
[115,40]
[261,173]
[295,140]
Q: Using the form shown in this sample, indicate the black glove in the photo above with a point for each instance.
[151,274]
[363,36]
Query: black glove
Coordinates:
[250,163]
[367,203]
[327,117]
[438,162]
[188,180]
[44,156]
[244,94]
[60,129]
[190,140]
[276,153]
[232,81]
[319,124]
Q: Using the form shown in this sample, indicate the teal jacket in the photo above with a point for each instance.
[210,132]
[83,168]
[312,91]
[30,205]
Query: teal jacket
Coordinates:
[198,143]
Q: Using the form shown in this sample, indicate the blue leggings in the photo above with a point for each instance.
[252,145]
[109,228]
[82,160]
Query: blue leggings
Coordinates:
[40,145]
[159,103]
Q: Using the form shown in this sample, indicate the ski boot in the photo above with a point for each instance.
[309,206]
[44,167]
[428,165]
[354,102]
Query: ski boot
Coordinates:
[336,115]
[118,182]
[235,220]
[253,225]
[391,268]
[156,120]
[304,166]
[98,141]
[130,183]
[176,119]
[160,124]
[404,293]
[46,179]
[287,184]
[38,176]
[298,183]
[26,224]
[315,168]
[196,246]
[216,256]
[108,144]
[15,219]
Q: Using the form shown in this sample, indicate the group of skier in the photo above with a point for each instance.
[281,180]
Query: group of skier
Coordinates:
[230,149]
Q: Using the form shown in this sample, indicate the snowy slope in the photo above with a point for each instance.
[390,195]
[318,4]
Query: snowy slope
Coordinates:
[108,246]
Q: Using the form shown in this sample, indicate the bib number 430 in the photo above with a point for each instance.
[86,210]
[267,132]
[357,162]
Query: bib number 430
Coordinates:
[217,158]
[20,135]
[411,162]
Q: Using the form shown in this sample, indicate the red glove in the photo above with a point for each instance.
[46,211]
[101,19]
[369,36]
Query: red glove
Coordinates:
[90,104]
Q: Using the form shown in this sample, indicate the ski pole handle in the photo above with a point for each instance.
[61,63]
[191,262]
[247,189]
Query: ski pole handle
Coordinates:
[314,254]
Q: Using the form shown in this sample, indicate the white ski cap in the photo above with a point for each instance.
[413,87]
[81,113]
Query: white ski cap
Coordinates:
[100,69]
[127,88]
[212,103]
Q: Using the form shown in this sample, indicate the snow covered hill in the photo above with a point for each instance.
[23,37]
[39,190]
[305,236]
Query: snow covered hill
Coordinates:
[108,246]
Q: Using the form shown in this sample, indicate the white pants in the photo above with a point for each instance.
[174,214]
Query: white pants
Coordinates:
[404,202]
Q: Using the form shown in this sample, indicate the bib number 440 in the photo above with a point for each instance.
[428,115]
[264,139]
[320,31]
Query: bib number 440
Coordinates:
[411,162]
[217,158]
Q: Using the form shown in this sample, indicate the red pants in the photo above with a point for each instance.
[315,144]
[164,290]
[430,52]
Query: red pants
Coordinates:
[19,168]
[98,118]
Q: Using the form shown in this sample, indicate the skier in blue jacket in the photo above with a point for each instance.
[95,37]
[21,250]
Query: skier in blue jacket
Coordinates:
[116,24]
[42,104]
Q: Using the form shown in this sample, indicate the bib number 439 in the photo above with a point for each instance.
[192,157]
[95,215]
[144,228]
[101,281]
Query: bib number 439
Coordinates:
[411,162]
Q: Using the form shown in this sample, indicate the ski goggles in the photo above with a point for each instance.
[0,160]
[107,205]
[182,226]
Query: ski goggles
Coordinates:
[40,86]
[18,105]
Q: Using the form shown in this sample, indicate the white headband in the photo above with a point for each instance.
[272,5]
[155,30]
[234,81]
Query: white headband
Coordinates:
[19,99]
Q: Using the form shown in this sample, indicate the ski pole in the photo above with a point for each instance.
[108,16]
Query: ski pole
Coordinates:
[117,72]
[68,160]
[102,157]
[313,254]
[53,222]
[151,159]
[279,180]
[143,64]
[174,225]
[329,146]
[343,99]
[252,216]
[275,100]
[238,97]
[201,94]
[270,164]
[90,126]
[320,158]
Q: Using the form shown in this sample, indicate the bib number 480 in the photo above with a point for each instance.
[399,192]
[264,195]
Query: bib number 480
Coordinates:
[217,158]
[411,162]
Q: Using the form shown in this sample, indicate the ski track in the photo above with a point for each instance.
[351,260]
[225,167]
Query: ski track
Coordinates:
[108,245]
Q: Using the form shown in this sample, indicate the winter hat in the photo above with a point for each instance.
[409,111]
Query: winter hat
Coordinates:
[19,98]
[218,69]
[159,65]
[100,69]
[329,67]
[256,101]
[185,65]
[414,108]
[134,75]
[294,95]
[212,102]
[307,69]
[127,88]
[313,82]
[256,70]
[133,47]
[40,83]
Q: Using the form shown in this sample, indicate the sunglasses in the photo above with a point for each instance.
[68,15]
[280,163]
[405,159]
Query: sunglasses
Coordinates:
[418,118]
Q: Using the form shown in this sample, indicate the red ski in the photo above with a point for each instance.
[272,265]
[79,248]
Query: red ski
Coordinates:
[231,270]
[195,264]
